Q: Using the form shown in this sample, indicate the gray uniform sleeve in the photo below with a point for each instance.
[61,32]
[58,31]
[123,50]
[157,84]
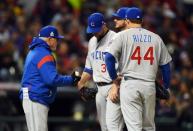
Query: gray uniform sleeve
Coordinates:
[88,61]
[165,57]
[115,46]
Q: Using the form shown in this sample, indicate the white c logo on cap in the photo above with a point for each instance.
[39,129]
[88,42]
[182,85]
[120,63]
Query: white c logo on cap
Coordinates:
[92,24]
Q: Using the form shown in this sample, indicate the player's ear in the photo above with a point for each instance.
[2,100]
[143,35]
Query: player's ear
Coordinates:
[127,21]
[104,27]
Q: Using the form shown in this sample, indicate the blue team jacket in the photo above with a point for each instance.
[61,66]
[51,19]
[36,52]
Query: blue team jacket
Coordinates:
[40,75]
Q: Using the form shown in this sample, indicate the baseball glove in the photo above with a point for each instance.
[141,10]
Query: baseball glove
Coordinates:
[161,91]
[88,94]
[76,77]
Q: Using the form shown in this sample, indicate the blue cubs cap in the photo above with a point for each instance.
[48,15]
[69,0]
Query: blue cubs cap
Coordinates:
[134,13]
[120,13]
[50,31]
[95,23]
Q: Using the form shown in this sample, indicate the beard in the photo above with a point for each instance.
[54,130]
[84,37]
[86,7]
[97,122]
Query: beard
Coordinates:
[100,36]
[120,28]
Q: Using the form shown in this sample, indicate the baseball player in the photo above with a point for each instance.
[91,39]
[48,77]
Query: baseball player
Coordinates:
[120,25]
[40,79]
[141,53]
[95,67]
[119,18]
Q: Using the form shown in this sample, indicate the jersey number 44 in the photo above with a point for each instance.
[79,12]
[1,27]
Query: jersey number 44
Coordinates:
[147,57]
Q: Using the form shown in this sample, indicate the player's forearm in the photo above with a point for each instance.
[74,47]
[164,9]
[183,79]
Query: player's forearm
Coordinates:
[110,63]
[84,78]
[166,73]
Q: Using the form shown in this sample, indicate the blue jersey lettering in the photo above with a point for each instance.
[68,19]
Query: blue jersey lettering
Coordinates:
[142,38]
[98,55]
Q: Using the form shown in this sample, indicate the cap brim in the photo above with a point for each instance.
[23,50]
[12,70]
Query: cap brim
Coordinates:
[60,37]
[115,15]
[93,30]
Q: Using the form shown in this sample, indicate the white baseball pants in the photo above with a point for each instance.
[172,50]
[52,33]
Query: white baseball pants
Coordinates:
[36,115]
[109,114]
[137,99]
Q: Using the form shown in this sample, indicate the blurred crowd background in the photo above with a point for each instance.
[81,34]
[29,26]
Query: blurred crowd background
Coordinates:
[21,20]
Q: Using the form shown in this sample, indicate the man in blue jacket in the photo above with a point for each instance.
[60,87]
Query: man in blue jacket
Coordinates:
[40,79]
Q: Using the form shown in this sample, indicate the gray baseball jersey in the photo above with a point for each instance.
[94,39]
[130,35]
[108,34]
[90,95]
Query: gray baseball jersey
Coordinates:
[109,114]
[96,57]
[142,51]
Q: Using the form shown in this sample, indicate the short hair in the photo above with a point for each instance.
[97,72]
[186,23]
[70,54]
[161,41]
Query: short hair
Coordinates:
[136,21]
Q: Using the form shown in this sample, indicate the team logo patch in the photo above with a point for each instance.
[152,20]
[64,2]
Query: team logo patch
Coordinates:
[92,24]
[52,34]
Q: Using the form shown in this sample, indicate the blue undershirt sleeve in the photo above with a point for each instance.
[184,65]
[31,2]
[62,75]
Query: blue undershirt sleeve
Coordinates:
[166,74]
[89,71]
[110,63]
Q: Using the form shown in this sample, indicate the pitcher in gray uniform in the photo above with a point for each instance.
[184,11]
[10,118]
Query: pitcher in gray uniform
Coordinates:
[95,67]
[141,52]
